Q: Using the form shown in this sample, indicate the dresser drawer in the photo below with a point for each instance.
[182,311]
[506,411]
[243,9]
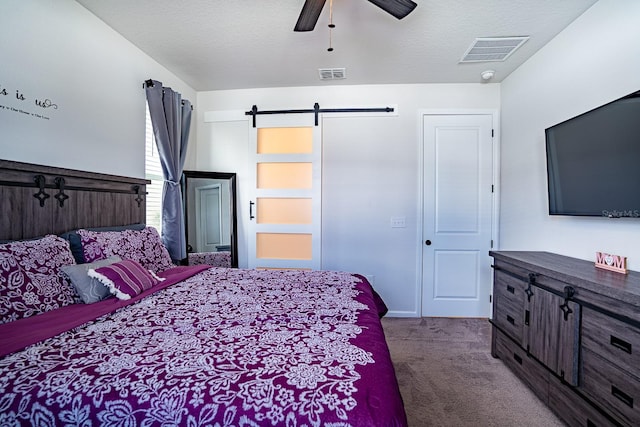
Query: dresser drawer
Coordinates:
[614,389]
[612,339]
[572,408]
[508,305]
[534,375]
[509,319]
[510,288]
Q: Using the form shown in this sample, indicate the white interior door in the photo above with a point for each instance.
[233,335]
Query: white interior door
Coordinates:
[285,210]
[457,215]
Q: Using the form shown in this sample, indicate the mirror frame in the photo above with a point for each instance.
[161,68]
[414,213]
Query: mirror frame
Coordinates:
[231,177]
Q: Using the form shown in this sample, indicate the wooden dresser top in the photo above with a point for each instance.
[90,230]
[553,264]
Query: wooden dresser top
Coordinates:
[576,272]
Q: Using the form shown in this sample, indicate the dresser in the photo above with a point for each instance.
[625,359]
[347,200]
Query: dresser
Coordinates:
[571,333]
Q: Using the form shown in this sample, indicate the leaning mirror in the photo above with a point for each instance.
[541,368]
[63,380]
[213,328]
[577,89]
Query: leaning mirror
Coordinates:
[210,218]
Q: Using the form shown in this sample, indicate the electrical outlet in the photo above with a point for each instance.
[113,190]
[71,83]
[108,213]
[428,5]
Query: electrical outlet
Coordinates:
[398,222]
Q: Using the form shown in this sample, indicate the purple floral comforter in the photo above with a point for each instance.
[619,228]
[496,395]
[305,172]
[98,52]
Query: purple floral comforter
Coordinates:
[225,347]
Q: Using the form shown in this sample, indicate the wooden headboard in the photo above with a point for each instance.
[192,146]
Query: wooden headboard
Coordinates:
[36,200]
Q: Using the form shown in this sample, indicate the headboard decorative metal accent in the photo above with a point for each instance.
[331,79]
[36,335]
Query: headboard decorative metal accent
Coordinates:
[61,197]
[85,199]
[41,194]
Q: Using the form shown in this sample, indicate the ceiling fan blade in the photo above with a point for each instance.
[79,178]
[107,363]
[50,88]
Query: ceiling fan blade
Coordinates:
[397,8]
[309,15]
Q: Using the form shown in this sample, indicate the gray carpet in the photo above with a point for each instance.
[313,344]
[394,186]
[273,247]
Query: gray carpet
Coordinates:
[448,377]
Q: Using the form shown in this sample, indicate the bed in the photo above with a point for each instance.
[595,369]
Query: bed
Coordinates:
[171,345]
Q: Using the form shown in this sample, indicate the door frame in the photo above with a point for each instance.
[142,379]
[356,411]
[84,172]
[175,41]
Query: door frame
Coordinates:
[495,211]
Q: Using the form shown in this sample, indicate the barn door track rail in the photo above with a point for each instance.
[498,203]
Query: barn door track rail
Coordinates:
[316,110]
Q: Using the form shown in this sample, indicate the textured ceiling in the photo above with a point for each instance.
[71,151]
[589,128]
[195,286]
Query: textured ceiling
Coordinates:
[223,44]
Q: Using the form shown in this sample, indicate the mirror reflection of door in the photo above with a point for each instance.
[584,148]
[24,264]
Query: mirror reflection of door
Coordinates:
[209,225]
[210,218]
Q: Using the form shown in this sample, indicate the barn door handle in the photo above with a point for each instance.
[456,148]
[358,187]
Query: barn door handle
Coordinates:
[251,210]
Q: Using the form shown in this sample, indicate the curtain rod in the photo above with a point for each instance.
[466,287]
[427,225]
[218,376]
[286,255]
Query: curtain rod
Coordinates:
[149,83]
[316,110]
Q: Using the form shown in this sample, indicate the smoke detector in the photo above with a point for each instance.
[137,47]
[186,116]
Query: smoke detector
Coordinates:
[489,49]
[332,73]
[487,74]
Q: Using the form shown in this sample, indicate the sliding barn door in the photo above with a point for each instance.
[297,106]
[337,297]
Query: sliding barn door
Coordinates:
[285,209]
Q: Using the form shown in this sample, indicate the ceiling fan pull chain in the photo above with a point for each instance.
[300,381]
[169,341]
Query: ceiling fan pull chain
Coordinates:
[331,14]
[331,25]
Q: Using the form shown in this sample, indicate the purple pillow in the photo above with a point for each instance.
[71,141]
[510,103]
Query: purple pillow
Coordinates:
[17,299]
[125,279]
[31,280]
[143,246]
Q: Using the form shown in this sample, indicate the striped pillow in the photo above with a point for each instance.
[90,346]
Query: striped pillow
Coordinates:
[125,279]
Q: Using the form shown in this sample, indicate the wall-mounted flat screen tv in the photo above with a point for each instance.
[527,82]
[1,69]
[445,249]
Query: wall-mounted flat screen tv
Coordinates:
[593,162]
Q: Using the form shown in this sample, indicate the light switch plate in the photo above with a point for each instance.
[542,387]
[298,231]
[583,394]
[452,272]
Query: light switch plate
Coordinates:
[398,222]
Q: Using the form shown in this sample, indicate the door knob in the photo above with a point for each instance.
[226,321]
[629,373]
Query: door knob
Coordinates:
[427,242]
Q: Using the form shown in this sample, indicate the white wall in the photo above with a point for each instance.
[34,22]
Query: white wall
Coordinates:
[370,171]
[593,61]
[57,50]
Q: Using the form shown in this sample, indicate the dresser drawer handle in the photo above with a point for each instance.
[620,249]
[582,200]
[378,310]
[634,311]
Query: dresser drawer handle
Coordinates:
[511,289]
[511,320]
[517,358]
[622,396]
[621,344]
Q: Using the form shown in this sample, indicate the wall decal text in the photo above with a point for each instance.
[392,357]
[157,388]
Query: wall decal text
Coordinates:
[23,103]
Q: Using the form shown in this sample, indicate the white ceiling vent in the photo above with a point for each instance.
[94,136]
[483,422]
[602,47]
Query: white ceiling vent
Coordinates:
[332,73]
[489,49]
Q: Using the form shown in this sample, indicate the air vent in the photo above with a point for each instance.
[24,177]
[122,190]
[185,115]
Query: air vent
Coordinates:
[332,73]
[490,49]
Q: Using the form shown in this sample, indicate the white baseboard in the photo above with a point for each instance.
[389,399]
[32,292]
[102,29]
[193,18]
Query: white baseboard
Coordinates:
[394,313]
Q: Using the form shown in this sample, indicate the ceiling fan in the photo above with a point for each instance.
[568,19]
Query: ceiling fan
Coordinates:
[312,8]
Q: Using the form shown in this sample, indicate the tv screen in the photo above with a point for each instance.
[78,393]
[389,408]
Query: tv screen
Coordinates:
[593,162]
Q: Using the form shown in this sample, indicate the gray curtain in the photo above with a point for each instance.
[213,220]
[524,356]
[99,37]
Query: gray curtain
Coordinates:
[171,120]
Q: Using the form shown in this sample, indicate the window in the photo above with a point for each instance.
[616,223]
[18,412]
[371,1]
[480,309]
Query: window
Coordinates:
[153,172]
